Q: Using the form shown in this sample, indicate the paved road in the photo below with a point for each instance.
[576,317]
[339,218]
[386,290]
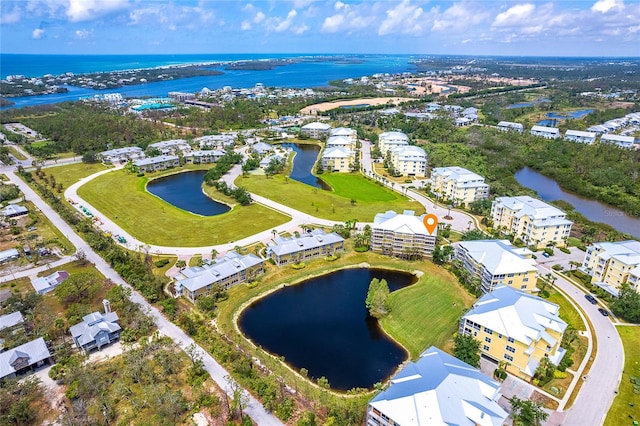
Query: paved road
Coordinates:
[12,275]
[254,409]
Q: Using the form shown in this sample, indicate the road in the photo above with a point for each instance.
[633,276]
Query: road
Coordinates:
[254,409]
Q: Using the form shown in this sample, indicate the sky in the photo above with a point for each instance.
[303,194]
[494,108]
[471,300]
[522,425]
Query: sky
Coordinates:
[488,27]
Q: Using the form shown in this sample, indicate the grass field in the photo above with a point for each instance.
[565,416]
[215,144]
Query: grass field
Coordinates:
[370,198]
[122,197]
[71,173]
[19,155]
[568,313]
[626,406]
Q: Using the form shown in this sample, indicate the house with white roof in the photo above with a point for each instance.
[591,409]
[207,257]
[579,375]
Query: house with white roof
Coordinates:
[391,140]
[612,264]
[462,122]
[621,141]
[96,330]
[23,358]
[122,155]
[516,327]
[403,235]
[11,321]
[580,136]
[409,160]
[497,262]
[261,148]
[203,156]
[161,162]
[337,159]
[545,132]
[316,130]
[437,389]
[340,142]
[171,147]
[458,184]
[13,210]
[9,255]
[345,132]
[44,285]
[508,126]
[535,222]
[286,250]
[217,141]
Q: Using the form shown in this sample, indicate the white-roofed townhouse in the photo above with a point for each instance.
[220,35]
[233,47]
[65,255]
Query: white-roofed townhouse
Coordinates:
[508,126]
[390,140]
[535,222]
[22,358]
[403,235]
[345,132]
[580,136]
[409,160]
[171,147]
[612,264]
[621,141]
[458,184]
[518,328]
[161,162]
[316,130]
[122,155]
[337,159]
[226,272]
[217,141]
[545,132]
[497,262]
[287,250]
[340,142]
[437,389]
[203,156]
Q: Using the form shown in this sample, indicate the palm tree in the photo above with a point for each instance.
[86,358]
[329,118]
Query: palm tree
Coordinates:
[214,254]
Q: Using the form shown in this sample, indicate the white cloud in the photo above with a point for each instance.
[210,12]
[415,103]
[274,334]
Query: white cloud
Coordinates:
[10,17]
[259,17]
[404,18]
[245,26]
[37,34]
[338,5]
[82,34]
[603,6]
[285,24]
[333,24]
[86,10]
[515,15]
[459,17]
[301,29]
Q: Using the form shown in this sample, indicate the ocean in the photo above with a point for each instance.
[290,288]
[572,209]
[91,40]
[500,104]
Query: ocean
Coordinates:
[299,75]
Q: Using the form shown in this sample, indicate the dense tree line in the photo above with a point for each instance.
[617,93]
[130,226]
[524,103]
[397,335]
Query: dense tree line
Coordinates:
[222,166]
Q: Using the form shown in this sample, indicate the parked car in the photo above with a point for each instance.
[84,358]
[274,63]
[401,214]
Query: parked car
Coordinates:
[545,254]
[603,311]
[591,299]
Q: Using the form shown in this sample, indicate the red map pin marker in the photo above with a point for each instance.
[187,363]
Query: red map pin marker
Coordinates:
[430,222]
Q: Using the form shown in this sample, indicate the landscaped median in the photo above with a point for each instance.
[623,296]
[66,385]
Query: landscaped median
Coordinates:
[122,197]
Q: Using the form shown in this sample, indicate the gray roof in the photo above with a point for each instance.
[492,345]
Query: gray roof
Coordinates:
[14,210]
[92,324]
[7,254]
[43,285]
[9,320]
[155,160]
[198,277]
[316,238]
[36,350]
[439,389]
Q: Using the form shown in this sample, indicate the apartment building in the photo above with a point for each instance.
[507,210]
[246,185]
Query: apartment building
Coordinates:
[345,132]
[121,155]
[409,160]
[507,126]
[316,130]
[545,132]
[203,157]
[391,140]
[497,262]
[161,162]
[338,159]
[403,235]
[437,389]
[535,222]
[580,136]
[171,147]
[619,140]
[285,250]
[230,270]
[516,327]
[458,184]
[613,264]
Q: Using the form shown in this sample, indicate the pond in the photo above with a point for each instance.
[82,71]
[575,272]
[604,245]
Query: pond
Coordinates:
[322,325]
[305,158]
[184,190]
[549,190]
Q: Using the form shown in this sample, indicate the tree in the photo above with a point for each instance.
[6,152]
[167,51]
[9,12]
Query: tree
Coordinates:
[442,254]
[527,413]
[376,301]
[627,304]
[474,234]
[467,349]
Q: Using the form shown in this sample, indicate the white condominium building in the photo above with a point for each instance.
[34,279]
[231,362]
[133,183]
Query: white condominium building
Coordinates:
[390,140]
[401,235]
[458,184]
[613,264]
[409,160]
[533,221]
[316,129]
[338,159]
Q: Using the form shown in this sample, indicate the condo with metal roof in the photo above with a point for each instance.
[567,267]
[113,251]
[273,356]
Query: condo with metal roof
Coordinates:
[286,250]
[613,264]
[403,235]
[458,184]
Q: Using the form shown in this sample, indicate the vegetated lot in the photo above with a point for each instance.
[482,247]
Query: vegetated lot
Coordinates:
[626,405]
[71,173]
[122,197]
[20,156]
[369,198]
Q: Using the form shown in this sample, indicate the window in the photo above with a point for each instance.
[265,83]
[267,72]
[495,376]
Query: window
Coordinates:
[510,282]
[487,339]
[485,348]
[508,357]
[510,339]
[511,349]
[488,330]
[523,287]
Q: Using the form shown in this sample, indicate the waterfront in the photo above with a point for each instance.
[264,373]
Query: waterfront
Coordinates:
[303,161]
[549,190]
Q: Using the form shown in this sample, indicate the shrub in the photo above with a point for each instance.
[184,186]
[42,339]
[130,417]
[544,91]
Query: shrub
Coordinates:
[564,250]
[361,249]
[300,265]
[559,374]
[557,267]
[161,263]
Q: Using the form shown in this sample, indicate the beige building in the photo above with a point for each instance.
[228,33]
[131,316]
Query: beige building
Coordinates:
[161,162]
[516,327]
[613,264]
[286,250]
[338,159]
[458,184]
[497,262]
[536,223]
[390,140]
[409,160]
[316,130]
[403,235]
[345,132]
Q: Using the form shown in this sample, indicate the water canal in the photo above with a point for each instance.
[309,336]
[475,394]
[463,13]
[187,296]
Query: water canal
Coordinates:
[184,190]
[549,190]
[322,325]
[305,158]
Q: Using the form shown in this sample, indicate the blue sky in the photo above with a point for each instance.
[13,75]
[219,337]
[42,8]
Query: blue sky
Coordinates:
[489,27]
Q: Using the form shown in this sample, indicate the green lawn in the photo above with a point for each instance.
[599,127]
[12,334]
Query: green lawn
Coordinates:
[626,406]
[122,197]
[427,313]
[71,173]
[335,205]
[568,313]
[19,155]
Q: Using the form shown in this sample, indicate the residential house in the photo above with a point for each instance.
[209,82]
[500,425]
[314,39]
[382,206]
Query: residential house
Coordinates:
[9,255]
[517,328]
[122,155]
[286,250]
[261,148]
[13,210]
[264,163]
[580,136]
[621,141]
[171,147]
[388,141]
[337,159]
[409,160]
[612,264]
[462,122]
[497,262]
[533,221]
[437,389]
[44,285]
[316,130]
[161,162]
[221,142]
[402,235]
[203,157]
[96,330]
[458,184]
[507,126]
[545,132]
[22,358]
[181,96]
[12,321]
[228,271]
